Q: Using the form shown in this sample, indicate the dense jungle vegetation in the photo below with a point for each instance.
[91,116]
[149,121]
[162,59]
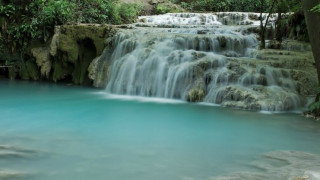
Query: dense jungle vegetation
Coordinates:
[22,21]
[239,5]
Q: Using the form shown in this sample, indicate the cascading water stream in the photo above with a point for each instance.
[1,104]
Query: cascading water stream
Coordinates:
[199,57]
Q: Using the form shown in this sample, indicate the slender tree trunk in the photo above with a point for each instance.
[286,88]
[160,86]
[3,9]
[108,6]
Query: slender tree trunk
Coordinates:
[262,35]
[264,27]
[279,33]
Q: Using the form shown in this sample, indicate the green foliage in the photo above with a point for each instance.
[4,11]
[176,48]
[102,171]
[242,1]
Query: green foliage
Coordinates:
[23,21]
[297,27]
[315,106]
[92,11]
[129,12]
[124,13]
[7,10]
[163,8]
[240,5]
[226,5]
[293,5]
[316,8]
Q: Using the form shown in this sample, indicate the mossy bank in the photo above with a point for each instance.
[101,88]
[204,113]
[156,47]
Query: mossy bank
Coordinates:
[66,57]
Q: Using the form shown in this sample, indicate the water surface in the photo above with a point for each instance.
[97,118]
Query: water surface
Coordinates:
[51,132]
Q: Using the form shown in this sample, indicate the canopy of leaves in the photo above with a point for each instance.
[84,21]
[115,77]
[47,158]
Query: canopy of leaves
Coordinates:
[24,20]
[224,5]
[240,5]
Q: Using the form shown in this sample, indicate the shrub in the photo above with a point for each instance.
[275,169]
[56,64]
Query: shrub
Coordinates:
[226,5]
[23,21]
[163,8]
[129,12]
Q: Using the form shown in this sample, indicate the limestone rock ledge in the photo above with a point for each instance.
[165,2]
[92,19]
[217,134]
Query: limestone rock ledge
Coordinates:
[276,80]
[67,56]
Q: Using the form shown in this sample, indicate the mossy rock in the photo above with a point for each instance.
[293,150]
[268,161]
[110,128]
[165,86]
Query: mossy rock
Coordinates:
[42,57]
[61,70]
[99,70]
[75,47]
[29,71]
[196,95]
[69,45]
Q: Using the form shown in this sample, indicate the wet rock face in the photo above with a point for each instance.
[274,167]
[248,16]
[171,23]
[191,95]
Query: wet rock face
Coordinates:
[75,47]
[43,60]
[196,95]
[208,58]
[99,70]
[67,57]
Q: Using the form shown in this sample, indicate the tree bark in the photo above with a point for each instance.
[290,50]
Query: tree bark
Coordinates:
[313,25]
[279,28]
[264,27]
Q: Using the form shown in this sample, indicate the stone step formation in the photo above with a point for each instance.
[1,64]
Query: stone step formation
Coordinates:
[211,58]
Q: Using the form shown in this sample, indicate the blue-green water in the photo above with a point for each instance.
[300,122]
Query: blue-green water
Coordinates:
[73,133]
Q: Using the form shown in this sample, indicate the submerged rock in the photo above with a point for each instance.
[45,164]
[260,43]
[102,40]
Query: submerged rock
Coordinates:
[13,152]
[16,152]
[292,165]
[10,174]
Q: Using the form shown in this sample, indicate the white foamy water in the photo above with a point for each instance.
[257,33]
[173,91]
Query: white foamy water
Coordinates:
[185,56]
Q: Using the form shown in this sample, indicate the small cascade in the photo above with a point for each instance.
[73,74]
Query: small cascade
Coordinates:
[200,58]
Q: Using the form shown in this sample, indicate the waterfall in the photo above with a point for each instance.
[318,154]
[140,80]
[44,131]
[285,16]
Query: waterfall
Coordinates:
[199,58]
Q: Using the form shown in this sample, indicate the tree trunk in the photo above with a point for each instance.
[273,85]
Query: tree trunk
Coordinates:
[262,34]
[264,27]
[279,28]
[313,25]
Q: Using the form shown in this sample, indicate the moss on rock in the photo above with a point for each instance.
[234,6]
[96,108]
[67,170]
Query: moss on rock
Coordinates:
[42,56]
[196,95]
[61,70]
[29,71]
[99,70]
[75,47]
